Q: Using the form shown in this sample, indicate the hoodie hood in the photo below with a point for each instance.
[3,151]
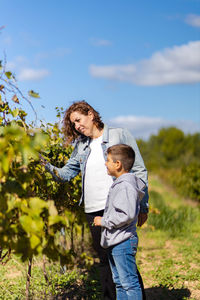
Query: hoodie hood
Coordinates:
[133,180]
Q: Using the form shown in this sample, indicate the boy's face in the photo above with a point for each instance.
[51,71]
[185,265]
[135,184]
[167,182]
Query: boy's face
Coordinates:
[110,165]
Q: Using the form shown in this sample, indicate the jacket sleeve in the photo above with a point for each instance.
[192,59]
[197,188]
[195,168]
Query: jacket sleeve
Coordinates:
[138,169]
[124,209]
[69,171]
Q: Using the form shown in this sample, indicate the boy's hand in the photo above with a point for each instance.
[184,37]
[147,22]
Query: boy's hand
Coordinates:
[97,221]
[142,217]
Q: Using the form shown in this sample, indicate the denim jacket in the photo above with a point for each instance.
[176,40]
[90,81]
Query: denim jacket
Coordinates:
[79,156]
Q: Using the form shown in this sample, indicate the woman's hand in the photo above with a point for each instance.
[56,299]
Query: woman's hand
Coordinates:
[43,161]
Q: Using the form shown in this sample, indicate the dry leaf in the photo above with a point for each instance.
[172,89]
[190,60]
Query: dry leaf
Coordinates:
[15,99]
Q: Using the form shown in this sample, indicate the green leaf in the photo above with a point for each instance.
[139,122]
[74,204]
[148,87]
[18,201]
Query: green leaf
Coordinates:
[33,94]
[40,140]
[55,219]
[22,113]
[5,163]
[8,74]
[13,202]
[26,152]
[52,208]
[15,112]
[31,225]
[34,240]
[37,205]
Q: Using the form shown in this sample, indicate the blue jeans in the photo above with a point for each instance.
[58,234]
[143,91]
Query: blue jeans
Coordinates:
[124,269]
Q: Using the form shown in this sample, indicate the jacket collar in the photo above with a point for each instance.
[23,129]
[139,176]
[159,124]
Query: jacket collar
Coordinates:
[85,140]
[105,138]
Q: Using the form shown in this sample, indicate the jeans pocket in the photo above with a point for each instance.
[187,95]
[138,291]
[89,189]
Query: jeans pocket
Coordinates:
[134,244]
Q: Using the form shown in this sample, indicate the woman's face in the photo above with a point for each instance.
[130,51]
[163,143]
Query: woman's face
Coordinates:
[83,123]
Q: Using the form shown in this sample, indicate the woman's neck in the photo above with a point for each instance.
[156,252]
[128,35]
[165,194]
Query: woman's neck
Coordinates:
[96,133]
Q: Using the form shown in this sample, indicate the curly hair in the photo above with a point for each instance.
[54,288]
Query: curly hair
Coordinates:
[70,133]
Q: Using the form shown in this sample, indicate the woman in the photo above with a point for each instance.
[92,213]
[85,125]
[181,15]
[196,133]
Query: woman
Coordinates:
[83,126]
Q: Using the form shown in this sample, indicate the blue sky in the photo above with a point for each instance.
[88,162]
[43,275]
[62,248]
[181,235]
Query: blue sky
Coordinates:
[136,62]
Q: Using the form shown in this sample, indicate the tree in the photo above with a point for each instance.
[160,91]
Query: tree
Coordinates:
[33,208]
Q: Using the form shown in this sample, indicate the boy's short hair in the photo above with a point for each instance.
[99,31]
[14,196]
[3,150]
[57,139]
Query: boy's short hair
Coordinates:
[124,153]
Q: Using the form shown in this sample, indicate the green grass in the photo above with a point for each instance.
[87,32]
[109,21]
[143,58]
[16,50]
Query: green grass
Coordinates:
[79,282]
[169,247]
[174,221]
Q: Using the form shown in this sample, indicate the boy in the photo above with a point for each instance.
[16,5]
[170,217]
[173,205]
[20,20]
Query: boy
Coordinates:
[119,221]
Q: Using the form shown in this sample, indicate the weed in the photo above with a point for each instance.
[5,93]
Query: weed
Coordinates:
[175,222]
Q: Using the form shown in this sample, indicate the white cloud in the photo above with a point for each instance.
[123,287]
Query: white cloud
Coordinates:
[33,74]
[21,67]
[144,127]
[100,42]
[193,20]
[177,65]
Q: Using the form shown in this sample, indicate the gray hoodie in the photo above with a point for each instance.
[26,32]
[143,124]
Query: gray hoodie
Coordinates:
[121,211]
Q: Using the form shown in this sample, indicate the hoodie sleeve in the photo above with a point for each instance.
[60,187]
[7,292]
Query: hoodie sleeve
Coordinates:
[124,208]
[138,169]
